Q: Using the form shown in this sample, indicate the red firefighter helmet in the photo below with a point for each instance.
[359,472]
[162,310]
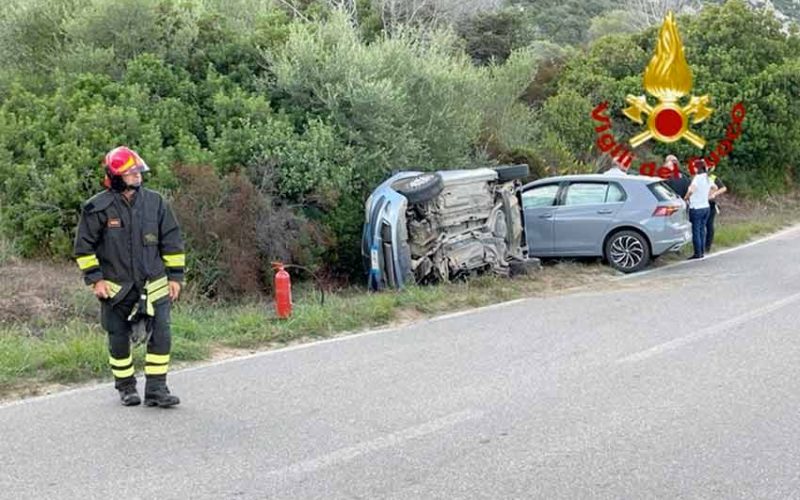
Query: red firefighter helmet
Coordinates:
[123,160]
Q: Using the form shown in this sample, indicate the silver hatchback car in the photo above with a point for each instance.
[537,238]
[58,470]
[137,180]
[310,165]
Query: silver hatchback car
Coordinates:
[625,219]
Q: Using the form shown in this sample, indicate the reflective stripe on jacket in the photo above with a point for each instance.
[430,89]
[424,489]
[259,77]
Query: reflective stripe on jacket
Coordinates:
[129,244]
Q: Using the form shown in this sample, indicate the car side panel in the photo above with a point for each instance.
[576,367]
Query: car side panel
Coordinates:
[579,230]
[539,230]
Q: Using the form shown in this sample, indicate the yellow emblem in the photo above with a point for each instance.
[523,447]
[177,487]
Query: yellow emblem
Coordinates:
[668,78]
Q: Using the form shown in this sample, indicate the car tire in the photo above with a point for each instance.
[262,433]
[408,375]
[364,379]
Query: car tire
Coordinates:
[512,172]
[420,188]
[627,251]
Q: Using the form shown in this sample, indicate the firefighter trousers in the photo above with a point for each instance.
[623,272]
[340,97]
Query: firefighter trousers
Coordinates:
[114,319]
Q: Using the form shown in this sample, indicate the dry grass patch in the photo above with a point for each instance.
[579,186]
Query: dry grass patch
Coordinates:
[43,293]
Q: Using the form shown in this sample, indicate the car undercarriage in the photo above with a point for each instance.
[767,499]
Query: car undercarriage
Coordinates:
[437,227]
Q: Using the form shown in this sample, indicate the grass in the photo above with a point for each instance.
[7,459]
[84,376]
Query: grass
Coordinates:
[736,233]
[62,342]
[7,251]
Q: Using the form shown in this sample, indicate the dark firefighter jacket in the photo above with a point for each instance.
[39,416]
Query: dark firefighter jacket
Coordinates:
[137,244]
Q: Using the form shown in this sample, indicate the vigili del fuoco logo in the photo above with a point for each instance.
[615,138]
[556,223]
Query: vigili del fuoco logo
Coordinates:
[668,79]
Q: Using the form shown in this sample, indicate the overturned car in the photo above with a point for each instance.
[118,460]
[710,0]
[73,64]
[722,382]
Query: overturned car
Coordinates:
[427,227]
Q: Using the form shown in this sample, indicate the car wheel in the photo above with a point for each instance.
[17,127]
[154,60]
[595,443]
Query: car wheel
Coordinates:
[421,188]
[627,251]
[512,172]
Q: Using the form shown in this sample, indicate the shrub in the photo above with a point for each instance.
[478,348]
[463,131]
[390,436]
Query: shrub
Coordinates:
[233,232]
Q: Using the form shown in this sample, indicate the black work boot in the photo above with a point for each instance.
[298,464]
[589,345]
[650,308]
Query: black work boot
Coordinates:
[129,396]
[157,394]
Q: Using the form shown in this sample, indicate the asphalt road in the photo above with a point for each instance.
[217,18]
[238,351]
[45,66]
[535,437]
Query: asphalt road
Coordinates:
[679,383]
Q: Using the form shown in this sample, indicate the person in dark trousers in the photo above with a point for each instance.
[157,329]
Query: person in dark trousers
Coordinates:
[129,248]
[721,189]
[697,196]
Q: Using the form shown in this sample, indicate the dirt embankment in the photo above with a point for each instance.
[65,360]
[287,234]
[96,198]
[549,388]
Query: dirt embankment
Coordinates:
[38,293]
[737,209]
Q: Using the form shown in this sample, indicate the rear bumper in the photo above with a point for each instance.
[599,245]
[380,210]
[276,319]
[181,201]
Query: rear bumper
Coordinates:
[679,238]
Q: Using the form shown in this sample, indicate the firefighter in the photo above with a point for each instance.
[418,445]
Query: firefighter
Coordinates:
[129,248]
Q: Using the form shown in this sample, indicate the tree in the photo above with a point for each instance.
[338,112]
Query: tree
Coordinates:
[565,22]
[648,13]
[428,13]
[491,36]
[614,22]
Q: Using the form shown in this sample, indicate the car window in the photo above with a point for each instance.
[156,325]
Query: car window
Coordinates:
[662,191]
[584,193]
[615,194]
[542,196]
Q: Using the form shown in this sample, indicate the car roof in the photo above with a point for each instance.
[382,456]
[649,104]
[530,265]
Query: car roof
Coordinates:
[594,177]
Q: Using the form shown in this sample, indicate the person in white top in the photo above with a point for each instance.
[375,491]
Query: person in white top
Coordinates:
[697,197]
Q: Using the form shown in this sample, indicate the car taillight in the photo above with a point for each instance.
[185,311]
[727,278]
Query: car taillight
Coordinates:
[665,211]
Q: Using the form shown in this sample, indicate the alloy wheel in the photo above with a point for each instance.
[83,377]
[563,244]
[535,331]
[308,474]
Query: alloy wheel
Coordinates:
[627,251]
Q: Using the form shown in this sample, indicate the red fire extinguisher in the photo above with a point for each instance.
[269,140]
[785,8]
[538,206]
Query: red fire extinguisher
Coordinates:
[283,291]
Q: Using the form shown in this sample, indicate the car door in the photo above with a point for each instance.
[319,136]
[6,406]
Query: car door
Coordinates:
[587,209]
[539,207]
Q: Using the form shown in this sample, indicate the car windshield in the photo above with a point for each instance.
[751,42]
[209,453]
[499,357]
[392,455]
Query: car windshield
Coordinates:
[663,192]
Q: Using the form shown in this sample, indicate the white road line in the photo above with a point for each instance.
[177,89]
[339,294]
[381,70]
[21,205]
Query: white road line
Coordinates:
[388,441]
[479,309]
[708,332]
[713,255]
